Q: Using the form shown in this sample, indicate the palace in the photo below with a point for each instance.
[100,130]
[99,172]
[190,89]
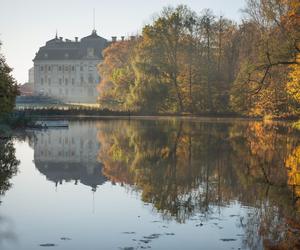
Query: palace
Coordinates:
[67,70]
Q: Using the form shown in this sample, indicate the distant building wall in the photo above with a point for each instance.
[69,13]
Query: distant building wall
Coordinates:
[69,80]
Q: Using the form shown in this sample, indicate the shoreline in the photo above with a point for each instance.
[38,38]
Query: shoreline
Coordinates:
[96,114]
[8,130]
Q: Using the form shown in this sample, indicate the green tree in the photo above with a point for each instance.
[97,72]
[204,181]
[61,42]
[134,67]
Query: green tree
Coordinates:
[8,88]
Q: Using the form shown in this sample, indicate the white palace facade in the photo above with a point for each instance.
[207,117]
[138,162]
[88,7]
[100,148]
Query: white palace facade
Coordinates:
[67,70]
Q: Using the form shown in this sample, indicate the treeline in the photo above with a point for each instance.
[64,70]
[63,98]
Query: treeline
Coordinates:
[186,62]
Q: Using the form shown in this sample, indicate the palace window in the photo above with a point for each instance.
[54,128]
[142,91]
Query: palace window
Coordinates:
[66,81]
[60,81]
[42,68]
[81,68]
[90,92]
[59,68]
[73,81]
[73,68]
[90,52]
[42,81]
[49,68]
[91,79]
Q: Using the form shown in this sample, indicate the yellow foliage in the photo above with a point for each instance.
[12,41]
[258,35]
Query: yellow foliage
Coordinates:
[293,165]
[293,86]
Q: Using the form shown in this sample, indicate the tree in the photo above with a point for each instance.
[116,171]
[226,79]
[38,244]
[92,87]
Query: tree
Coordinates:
[207,22]
[293,85]
[8,88]
[117,75]
[185,62]
[260,85]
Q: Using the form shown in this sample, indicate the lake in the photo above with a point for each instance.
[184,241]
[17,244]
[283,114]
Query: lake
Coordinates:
[159,183]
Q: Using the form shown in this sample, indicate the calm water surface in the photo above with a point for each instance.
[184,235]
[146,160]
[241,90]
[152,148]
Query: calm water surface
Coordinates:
[152,183]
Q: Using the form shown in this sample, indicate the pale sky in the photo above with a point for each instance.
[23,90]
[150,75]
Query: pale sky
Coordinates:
[25,25]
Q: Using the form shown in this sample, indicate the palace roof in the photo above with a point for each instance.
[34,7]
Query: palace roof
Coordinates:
[59,49]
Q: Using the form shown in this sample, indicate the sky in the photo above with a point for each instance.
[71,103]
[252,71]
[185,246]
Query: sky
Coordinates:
[27,25]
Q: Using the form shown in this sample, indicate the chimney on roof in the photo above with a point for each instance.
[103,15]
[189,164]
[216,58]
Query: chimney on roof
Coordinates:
[132,37]
[60,38]
[122,38]
[113,39]
[76,39]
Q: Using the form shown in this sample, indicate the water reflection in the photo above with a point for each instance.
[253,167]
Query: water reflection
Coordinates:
[188,169]
[8,164]
[8,168]
[69,155]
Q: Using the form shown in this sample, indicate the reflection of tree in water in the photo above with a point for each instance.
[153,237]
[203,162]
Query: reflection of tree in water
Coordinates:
[169,161]
[8,168]
[265,151]
[184,168]
[6,230]
[8,164]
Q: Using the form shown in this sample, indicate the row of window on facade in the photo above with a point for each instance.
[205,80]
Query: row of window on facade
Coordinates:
[66,80]
[87,143]
[81,153]
[49,153]
[65,67]
[66,140]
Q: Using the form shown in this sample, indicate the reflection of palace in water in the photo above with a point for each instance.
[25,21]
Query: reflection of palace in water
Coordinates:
[69,154]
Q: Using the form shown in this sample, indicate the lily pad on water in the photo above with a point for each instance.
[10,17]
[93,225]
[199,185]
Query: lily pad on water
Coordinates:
[65,238]
[48,245]
[152,236]
[145,241]
[228,239]
[169,234]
